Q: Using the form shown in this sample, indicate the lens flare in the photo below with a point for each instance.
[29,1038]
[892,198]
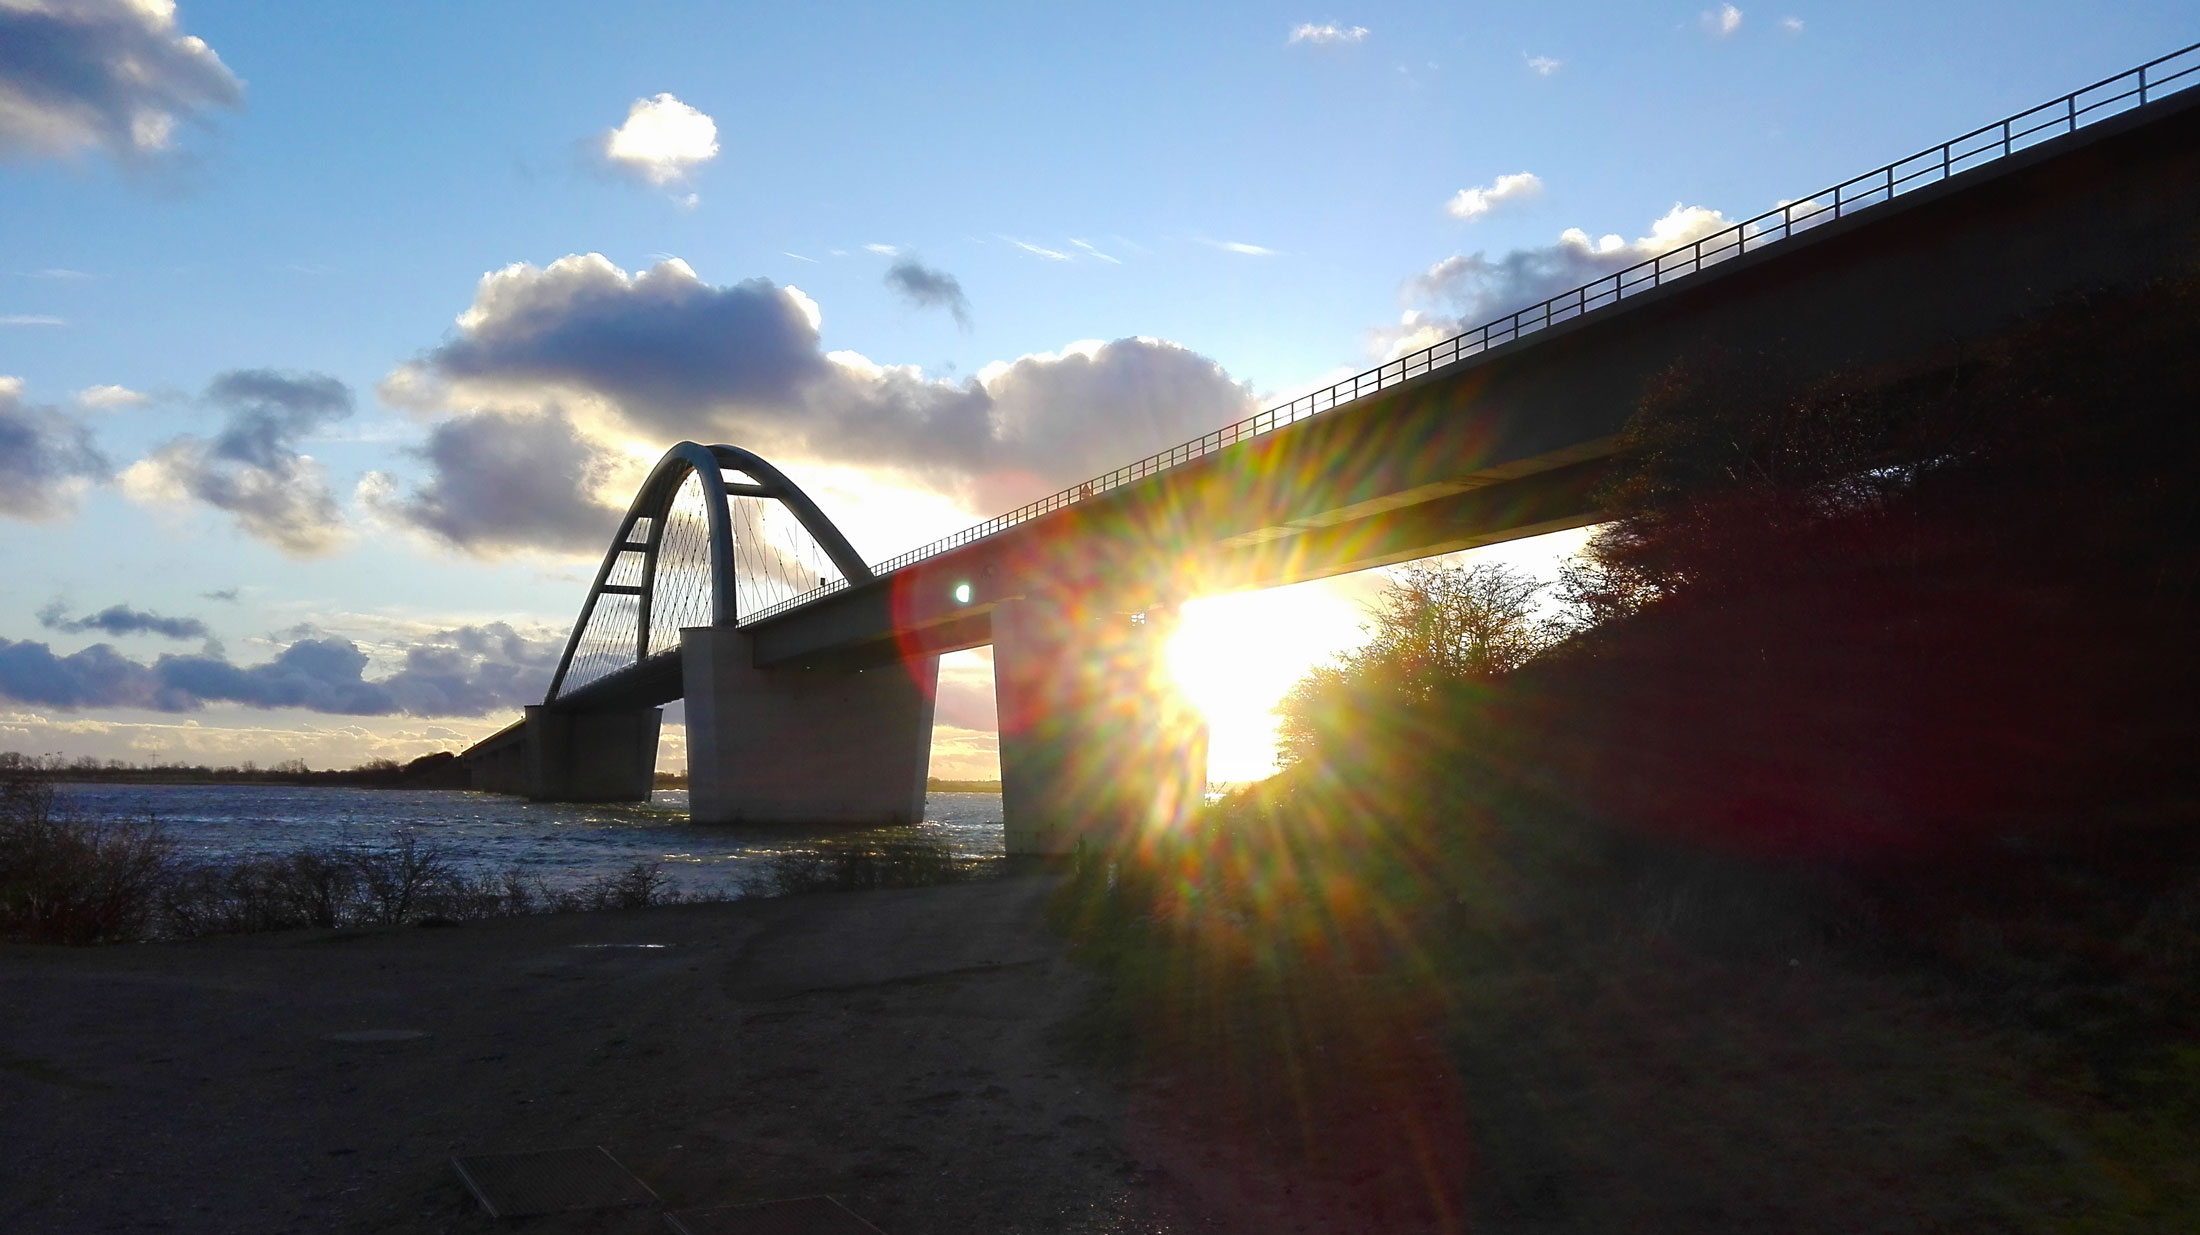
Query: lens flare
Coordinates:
[1236,656]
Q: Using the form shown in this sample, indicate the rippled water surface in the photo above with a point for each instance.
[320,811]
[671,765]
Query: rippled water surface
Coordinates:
[559,843]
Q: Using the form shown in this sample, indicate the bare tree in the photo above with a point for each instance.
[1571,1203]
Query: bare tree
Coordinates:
[1435,625]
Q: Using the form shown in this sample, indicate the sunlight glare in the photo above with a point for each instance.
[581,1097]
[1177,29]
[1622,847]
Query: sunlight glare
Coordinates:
[1237,655]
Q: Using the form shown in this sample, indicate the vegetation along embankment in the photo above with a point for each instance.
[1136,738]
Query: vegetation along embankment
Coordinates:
[1819,853]
[72,878]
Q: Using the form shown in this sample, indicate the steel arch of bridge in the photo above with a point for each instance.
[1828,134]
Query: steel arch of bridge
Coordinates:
[654,503]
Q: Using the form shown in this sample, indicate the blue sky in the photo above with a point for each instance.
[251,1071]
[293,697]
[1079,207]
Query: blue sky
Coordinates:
[1253,188]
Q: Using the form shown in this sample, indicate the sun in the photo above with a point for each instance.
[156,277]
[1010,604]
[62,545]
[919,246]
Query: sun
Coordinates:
[1236,656]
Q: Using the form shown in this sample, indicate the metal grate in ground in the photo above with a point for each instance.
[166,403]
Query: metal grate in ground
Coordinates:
[808,1215]
[550,1181]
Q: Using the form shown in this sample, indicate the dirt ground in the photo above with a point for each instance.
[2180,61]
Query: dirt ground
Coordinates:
[903,1050]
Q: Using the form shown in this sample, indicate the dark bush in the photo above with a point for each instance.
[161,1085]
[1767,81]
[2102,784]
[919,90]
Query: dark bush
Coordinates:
[867,866]
[395,882]
[637,887]
[71,880]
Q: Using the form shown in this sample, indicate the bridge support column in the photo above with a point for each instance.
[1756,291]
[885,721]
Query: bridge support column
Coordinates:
[591,756]
[803,745]
[1097,743]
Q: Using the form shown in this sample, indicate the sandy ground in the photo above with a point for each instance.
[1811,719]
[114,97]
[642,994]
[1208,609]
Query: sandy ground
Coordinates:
[904,1050]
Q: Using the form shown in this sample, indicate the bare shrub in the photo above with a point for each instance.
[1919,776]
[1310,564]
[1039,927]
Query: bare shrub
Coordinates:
[637,887]
[319,885]
[242,897]
[394,882]
[314,887]
[499,894]
[71,880]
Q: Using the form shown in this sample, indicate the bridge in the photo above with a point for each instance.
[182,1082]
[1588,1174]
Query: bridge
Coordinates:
[809,675]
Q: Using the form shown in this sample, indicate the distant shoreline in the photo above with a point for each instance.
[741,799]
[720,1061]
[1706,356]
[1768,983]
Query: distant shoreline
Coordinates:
[362,778]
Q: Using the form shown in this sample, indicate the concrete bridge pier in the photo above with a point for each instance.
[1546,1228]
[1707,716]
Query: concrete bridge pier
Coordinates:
[1097,742]
[802,745]
[588,756]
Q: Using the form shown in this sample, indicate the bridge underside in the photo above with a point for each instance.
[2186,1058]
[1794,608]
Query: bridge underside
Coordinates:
[564,756]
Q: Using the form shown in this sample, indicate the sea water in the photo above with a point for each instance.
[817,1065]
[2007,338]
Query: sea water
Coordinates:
[558,843]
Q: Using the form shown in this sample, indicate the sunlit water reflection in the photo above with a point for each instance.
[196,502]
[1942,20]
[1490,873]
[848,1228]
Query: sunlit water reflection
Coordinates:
[560,843]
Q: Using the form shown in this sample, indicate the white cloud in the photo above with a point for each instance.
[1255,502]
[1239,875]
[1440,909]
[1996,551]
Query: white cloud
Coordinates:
[79,75]
[663,140]
[29,319]
[1793,25]
[1476,202]
[1052,255]
[111,396]
[883,250]
[1722,21]
[1466,290]
[1087,247]
[1543,66]
[1241,248]
[1327,34]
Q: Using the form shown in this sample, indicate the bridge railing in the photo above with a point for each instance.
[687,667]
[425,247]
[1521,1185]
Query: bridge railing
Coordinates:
[2105,98]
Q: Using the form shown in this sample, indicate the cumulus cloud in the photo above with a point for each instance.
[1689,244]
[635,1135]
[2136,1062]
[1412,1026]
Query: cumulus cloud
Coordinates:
[122,620]
[463,671]
[46,458]
[660,355]
[111,396]
[661,342]
[112,75]
[1055,418]
[252,469]
[473,671]
[1543,66]
[1466,290]
[927,288]
[1722,21]
[1326,34]
[501,481]
[1512,187]
[663,141]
